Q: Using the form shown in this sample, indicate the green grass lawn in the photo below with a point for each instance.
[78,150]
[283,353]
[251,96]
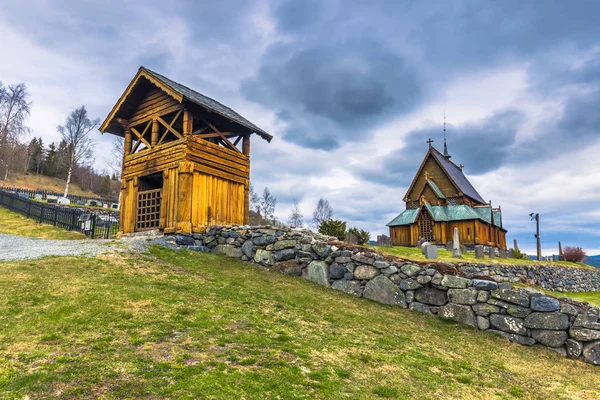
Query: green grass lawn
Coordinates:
[172,324]
[16,224]
[414,254]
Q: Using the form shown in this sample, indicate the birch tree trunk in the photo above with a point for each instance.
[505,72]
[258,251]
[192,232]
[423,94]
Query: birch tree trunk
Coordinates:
[68,180]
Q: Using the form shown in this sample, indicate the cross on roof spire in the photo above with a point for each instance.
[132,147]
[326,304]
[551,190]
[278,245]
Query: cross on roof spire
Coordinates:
[429,142]
[446,154]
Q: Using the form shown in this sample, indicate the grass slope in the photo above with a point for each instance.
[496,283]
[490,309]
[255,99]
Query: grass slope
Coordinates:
[179,325]
[16,224]
[41,182]
[415,254]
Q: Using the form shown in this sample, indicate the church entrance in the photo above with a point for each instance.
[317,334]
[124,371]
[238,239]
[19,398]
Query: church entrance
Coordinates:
[149,202]
[426,226]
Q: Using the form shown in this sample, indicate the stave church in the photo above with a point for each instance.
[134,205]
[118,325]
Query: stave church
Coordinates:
[441,198]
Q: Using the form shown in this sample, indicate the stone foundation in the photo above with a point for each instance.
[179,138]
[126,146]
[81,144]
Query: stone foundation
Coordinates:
[477,295]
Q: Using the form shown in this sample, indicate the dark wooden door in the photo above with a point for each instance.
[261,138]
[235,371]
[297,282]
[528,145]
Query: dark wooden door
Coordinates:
[426,226]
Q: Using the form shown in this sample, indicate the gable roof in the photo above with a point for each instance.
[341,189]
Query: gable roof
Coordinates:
[436,189]
[453,172]
[181,93]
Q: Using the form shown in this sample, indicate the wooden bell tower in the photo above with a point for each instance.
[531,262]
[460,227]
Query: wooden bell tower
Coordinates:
[183,169]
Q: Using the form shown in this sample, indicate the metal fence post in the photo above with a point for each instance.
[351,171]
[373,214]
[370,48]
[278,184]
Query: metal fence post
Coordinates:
[93,226]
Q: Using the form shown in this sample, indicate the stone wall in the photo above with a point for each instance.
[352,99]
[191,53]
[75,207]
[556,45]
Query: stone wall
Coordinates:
[556,278]
[464,293]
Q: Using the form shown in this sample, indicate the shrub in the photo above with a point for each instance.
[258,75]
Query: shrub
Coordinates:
[333,227]
[518,255]
[362,235]
[573,254]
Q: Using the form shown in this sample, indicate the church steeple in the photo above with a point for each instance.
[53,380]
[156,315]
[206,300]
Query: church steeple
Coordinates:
[446,154]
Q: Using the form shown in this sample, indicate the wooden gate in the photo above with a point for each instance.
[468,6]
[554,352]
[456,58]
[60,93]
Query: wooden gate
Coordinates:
[148,210]
[426,226]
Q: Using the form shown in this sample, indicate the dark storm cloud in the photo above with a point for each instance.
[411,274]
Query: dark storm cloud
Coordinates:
[481,146]
[331,91]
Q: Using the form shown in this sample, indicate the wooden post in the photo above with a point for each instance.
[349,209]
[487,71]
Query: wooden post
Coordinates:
[127,147]
[184,204]
[187,123]
[154,137]
[246,151]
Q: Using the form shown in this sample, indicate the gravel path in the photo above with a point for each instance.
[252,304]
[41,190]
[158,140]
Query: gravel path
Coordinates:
[20,248]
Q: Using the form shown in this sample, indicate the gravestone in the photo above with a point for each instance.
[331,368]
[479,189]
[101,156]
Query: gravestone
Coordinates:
[491,252]
[52,199]
[551,259]
[449,245]
[424,246]
[352,238]
[431,251]
[384,241]
[479,253]
[502,253]
[38,196]
[420,243]
[516,244]
[456,245]
[511,253]
[63,201]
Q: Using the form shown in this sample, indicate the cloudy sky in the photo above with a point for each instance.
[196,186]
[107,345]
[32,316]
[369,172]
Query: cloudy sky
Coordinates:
[352,90]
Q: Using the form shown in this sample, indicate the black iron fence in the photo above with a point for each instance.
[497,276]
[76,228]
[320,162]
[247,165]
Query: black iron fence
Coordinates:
[45,193]
[96,225]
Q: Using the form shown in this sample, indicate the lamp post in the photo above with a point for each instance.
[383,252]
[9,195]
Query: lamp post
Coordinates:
[536,217]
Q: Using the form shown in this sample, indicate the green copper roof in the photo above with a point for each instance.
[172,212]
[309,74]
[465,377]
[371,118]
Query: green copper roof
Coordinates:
[406,217]
[498,218]
[436,189]
[448,213]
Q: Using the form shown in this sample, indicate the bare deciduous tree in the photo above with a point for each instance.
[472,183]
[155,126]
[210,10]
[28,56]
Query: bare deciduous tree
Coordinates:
[296,219]
[267,204]
[76,134]
[14,110]
[117,151]
[323,212]
[254,200]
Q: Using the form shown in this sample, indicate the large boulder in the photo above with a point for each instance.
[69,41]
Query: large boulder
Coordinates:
[463,296]
[350,287]
[480,284]
[248,248]
[289,267]
[549,338]
[591,352]
[365,272]
[544,303]
[574,348]
[264,240]
[483,323]
[549,321]
[584,334]
[336,271]
[420,307]
[410,269]
[459,313]
[321,249]
[511,296]
[230,250]
[284,255]
[184,240]
[508,324]
[285,244]
[409,284]
[318,272]
[431,296]
[518,311]
[455,282]
[362,259]
[484,309]
[383,290]
[263,257]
